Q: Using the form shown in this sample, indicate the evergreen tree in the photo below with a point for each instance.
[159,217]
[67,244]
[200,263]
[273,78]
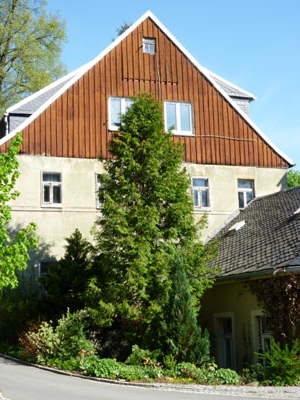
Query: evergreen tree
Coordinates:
[66,283]
[147,217]
[179,334]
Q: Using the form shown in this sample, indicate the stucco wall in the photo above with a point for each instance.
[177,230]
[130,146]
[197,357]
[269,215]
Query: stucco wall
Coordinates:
[224,190]
[79,199]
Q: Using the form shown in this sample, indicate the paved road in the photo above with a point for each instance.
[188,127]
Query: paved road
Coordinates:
[23,382]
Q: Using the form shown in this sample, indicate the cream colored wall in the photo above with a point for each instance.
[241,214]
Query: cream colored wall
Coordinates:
[236,300]
[224,191]
[79,204]
[78,200]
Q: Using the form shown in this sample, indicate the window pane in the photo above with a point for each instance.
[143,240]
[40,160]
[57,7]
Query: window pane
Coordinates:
[171,115]
[204,196]
[128,104]
[249,196]
[185,120]
[196,198]
[51,177]
[241,200]
[46,194]
[245,184]
[200,182]
[115,111]
[56,194]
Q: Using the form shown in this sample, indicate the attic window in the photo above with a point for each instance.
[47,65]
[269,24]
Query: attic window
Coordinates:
[149,45]
[237,226]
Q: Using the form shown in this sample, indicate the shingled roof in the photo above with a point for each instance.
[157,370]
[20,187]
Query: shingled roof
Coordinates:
[262,239]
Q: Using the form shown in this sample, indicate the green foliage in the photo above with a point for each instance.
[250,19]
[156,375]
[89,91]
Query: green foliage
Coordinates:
[254,373]
[14,248]
[123,28]
[293,178]
[100,367]
[147,217]
[226,376]
[30,46]
[44,342]
[72,333]
[40,343]
[18,306]
[179,333]
[282,363]
[142,356]
[66,283]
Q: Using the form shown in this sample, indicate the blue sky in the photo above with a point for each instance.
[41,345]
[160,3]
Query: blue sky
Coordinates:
[253,44]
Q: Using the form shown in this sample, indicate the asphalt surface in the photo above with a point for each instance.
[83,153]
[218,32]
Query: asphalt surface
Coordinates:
[20,381]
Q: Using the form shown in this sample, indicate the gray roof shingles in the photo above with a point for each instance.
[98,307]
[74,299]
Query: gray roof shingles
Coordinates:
[270,238]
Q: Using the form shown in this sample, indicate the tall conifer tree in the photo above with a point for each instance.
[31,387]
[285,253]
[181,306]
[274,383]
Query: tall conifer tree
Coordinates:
[147,217]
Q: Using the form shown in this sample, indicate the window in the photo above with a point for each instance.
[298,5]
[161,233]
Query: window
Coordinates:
[149,45]
[178,118]
[200,190]
[262,333]
[116,107]
[46,267]
[51,189]
[245,192]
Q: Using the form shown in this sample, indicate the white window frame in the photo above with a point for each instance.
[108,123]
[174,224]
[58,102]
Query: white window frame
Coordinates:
[51,185]
[245,192]
[176,130]
[149,45]
[125,103]
[199,190]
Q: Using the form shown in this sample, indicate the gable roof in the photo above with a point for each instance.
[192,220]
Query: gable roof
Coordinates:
[23,113]
[262,239]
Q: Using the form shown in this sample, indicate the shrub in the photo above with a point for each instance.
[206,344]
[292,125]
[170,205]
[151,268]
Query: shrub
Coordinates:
[282,363]
[131,373]
[42,342]
[142,357]
[225,376]
[72,336]
[254,373]
[186,370]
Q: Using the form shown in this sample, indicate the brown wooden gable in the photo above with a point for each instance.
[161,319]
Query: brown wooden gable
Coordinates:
[76,123]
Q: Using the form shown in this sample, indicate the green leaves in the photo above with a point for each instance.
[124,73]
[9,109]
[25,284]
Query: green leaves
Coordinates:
[13,248]
[30,47]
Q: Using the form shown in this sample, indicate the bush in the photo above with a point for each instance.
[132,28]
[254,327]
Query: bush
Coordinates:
[254,373]
[282,363]
[224,376]
[42,342]
[186,370]
[142,357]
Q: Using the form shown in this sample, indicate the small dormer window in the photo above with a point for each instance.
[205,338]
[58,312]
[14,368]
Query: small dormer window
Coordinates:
[149,45]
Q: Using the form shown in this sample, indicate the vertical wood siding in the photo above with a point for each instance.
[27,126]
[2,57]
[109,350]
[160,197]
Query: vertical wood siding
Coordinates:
[76,124]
